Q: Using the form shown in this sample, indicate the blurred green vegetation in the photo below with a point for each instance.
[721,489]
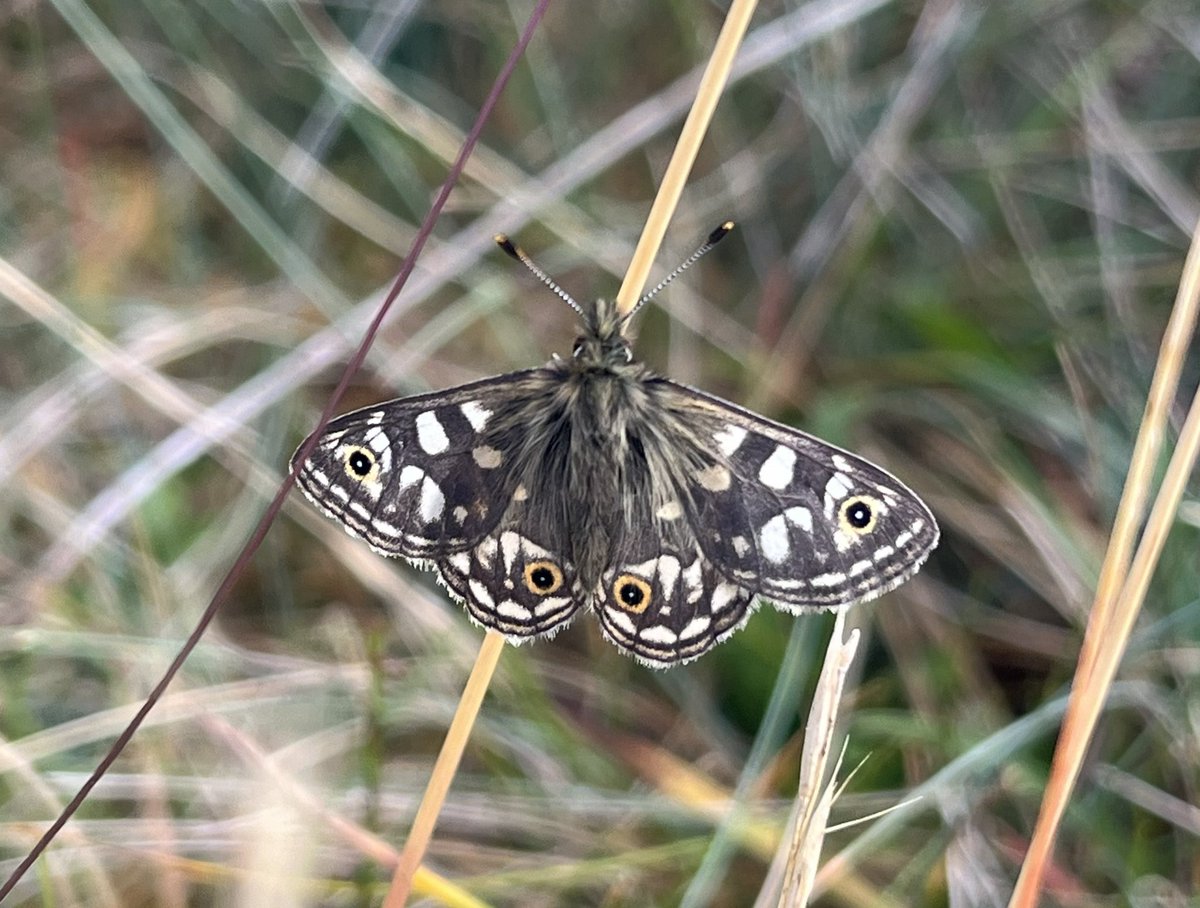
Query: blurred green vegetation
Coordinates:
[960,229]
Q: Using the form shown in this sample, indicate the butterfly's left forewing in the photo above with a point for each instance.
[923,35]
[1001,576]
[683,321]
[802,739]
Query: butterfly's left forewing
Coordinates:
[432,478]
[803,523]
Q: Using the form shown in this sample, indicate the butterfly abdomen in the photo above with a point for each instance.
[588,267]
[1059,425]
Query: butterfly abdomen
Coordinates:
[582,463]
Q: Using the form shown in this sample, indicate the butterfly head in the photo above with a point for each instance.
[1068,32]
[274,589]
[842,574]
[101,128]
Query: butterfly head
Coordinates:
[602,343]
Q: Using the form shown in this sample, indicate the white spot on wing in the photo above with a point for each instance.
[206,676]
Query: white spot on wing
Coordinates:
[378,441]
[432,500]
[430,434]
[620,619]
[836,489]
[730,439]
[659,634]
[831,579]
[461,562]
[645,570]
[692,580]
[481,594]
[477,415]
[801,517]
[546,606]
[741,545]
[485,552]
[838,486]
[723,594]
[410,475]
[510,609]
[778,469]
[460,514]
[510,545]
[672,510]
[695,627]
[668,573]
[383,527]
[858,567]
[773,539]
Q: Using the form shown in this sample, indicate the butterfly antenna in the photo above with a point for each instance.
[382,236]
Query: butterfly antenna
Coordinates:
[713,238]
[520,255]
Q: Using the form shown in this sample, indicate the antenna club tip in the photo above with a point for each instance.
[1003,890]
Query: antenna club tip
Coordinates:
[506,244]
[720,233]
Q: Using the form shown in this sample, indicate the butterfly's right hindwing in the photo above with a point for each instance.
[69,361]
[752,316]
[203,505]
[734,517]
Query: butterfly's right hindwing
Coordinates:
[423,476]
[511,584]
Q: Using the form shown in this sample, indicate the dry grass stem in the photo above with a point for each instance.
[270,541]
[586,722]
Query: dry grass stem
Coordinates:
[794,867]
[444,769]
[1119,594]
[715,76]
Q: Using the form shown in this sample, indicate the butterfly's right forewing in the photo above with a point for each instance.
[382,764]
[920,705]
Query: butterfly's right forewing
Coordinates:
[433,478]
[421,477]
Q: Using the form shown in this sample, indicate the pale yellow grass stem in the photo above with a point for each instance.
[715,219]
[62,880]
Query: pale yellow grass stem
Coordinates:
[715,76]
[1118,595]
[444,769]
[801,854]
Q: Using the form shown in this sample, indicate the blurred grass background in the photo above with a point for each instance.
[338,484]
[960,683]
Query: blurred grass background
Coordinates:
[960,230]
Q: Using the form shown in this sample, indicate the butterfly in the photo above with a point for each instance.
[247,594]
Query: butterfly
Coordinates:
[594,484]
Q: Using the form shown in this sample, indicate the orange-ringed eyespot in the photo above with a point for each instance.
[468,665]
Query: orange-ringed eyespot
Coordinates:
[360,462]
[858,513]
[632,593]
[543,577]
